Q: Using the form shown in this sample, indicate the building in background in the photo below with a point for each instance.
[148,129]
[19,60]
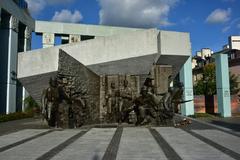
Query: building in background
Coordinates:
[234,42]
[16,26]
[203,58]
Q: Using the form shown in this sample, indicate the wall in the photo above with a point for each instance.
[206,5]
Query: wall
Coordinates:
[199,104]
[83,84]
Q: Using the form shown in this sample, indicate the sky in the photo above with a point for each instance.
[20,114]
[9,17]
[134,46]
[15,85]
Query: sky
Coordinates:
[209,22]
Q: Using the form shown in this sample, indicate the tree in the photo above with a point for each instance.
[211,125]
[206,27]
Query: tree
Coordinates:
[207,85]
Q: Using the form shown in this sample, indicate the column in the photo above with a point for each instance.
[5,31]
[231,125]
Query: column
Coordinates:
[0,15]
[223,88]
[48,40]
[27,39]
[3,66]
[12,65]
[27,47]
[74,38]
[186,78]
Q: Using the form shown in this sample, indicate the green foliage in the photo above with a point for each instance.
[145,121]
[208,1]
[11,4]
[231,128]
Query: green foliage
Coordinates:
[32,106]
[15,116]
[207,85]
[30,103]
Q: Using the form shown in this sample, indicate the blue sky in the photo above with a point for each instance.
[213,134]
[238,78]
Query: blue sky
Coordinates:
[209,22]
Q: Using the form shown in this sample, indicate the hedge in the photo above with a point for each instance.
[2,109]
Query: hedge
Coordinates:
[15,116]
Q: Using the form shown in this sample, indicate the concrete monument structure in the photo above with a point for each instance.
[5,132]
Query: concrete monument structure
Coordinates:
[117,52]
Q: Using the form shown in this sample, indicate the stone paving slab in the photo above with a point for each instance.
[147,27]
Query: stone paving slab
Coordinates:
[90,146]
[224,139]
[18,125]
[189,147]
[18,136]
[138,143]
[37,147]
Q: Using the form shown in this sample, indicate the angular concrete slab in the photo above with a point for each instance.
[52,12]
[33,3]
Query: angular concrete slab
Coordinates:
[110,49]
[189,147]
[35,84]
[90,52]
[66,65]
[80,29]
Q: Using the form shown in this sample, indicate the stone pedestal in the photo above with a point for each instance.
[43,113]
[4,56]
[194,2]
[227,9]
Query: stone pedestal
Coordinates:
[186,79]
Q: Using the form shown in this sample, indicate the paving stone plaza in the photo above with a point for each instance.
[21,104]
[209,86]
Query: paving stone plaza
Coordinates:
[198,141]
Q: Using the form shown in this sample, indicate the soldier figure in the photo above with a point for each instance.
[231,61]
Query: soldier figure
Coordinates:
[55,103]
[145,106]
[111,98]
[51,99]
[125,102]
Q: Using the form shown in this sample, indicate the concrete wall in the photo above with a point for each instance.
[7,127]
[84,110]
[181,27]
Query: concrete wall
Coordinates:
[174,49]
[199,104]
[139,44]
[80,29]
[83,83]
[96,51]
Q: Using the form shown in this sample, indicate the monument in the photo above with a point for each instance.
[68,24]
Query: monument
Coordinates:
[123,78]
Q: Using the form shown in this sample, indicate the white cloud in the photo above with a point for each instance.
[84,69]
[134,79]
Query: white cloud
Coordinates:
[67,16]
[187,20]
[234,23]
[225,29]
[59,1]
[219,16]
[36,6]
[136,13]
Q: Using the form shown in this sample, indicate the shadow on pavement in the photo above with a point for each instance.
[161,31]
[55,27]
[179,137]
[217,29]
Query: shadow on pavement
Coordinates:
[230,125]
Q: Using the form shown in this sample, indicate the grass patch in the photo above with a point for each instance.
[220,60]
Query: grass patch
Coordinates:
[204,115]
[15,116]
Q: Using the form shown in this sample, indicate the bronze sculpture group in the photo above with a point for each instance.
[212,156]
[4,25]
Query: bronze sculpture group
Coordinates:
[122,106]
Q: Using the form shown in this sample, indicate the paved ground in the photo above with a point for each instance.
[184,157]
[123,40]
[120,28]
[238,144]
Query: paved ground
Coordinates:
[197,141]
[232,123]
[29,123]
